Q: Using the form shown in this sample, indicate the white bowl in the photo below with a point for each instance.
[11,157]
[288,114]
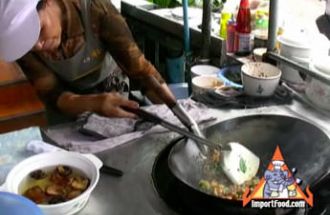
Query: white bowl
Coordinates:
[203,84]
[88,164]
[291,48]
[260,79]
[208,70]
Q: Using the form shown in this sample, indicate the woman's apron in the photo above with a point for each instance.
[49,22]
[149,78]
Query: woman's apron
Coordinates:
[91,66]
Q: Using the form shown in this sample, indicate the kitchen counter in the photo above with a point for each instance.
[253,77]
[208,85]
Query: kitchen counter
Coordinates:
[134,193]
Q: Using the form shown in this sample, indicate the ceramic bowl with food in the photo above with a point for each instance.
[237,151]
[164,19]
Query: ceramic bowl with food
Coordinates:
[203,84]
[75,177]
[260,79]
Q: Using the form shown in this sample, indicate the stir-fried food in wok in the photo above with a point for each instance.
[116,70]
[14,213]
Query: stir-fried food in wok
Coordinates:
[54,185]
[216,183]
[227,191]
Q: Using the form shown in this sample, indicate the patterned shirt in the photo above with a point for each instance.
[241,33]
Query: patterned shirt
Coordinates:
[108,26]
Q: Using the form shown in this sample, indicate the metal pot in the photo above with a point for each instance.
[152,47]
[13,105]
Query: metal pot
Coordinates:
[304,146]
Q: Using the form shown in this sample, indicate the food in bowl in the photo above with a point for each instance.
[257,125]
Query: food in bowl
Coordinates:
[54,185]
[260,79]
[203,84]
[87,164]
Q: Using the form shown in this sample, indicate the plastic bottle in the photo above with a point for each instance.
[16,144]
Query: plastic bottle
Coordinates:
[225,16]
[244,37]
[231,30]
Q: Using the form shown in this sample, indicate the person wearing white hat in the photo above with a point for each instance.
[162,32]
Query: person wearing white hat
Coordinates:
[70,50]
[277,181]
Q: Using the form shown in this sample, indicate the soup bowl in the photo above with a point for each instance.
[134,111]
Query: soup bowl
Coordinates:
[88,164]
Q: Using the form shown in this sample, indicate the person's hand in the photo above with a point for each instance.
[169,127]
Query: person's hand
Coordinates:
[113,104]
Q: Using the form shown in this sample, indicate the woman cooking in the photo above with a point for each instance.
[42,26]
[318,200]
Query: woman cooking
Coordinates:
[70,49]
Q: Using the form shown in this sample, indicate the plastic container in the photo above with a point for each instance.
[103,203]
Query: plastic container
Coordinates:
[225,17]
[230,42]
[231,76]
[175,69]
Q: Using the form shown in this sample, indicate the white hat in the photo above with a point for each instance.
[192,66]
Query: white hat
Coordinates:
[19,28]
[278,163]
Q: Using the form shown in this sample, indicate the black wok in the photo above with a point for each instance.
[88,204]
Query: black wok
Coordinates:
[303,145]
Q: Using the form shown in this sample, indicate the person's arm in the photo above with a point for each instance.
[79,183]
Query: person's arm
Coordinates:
[117,37]
[106,104]
[51,91]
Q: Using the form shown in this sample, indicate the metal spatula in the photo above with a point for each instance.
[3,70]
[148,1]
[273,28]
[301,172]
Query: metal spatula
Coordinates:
[237,161]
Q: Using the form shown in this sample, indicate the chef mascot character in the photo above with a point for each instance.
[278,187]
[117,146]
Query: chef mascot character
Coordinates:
[277,181]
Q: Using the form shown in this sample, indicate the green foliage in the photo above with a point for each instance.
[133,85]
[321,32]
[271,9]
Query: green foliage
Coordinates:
[162,3]
[197,3]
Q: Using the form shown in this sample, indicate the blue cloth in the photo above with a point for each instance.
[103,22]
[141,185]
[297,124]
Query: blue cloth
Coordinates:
[13,148]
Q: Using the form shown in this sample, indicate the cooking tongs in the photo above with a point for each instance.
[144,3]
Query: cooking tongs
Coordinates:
[233,155]
[172,127]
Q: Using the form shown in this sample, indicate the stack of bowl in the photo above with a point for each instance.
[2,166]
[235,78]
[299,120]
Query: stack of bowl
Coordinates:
[296,46]
[204,79]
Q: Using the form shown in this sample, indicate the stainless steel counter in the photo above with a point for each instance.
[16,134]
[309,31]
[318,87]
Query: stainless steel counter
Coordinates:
[134,194]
